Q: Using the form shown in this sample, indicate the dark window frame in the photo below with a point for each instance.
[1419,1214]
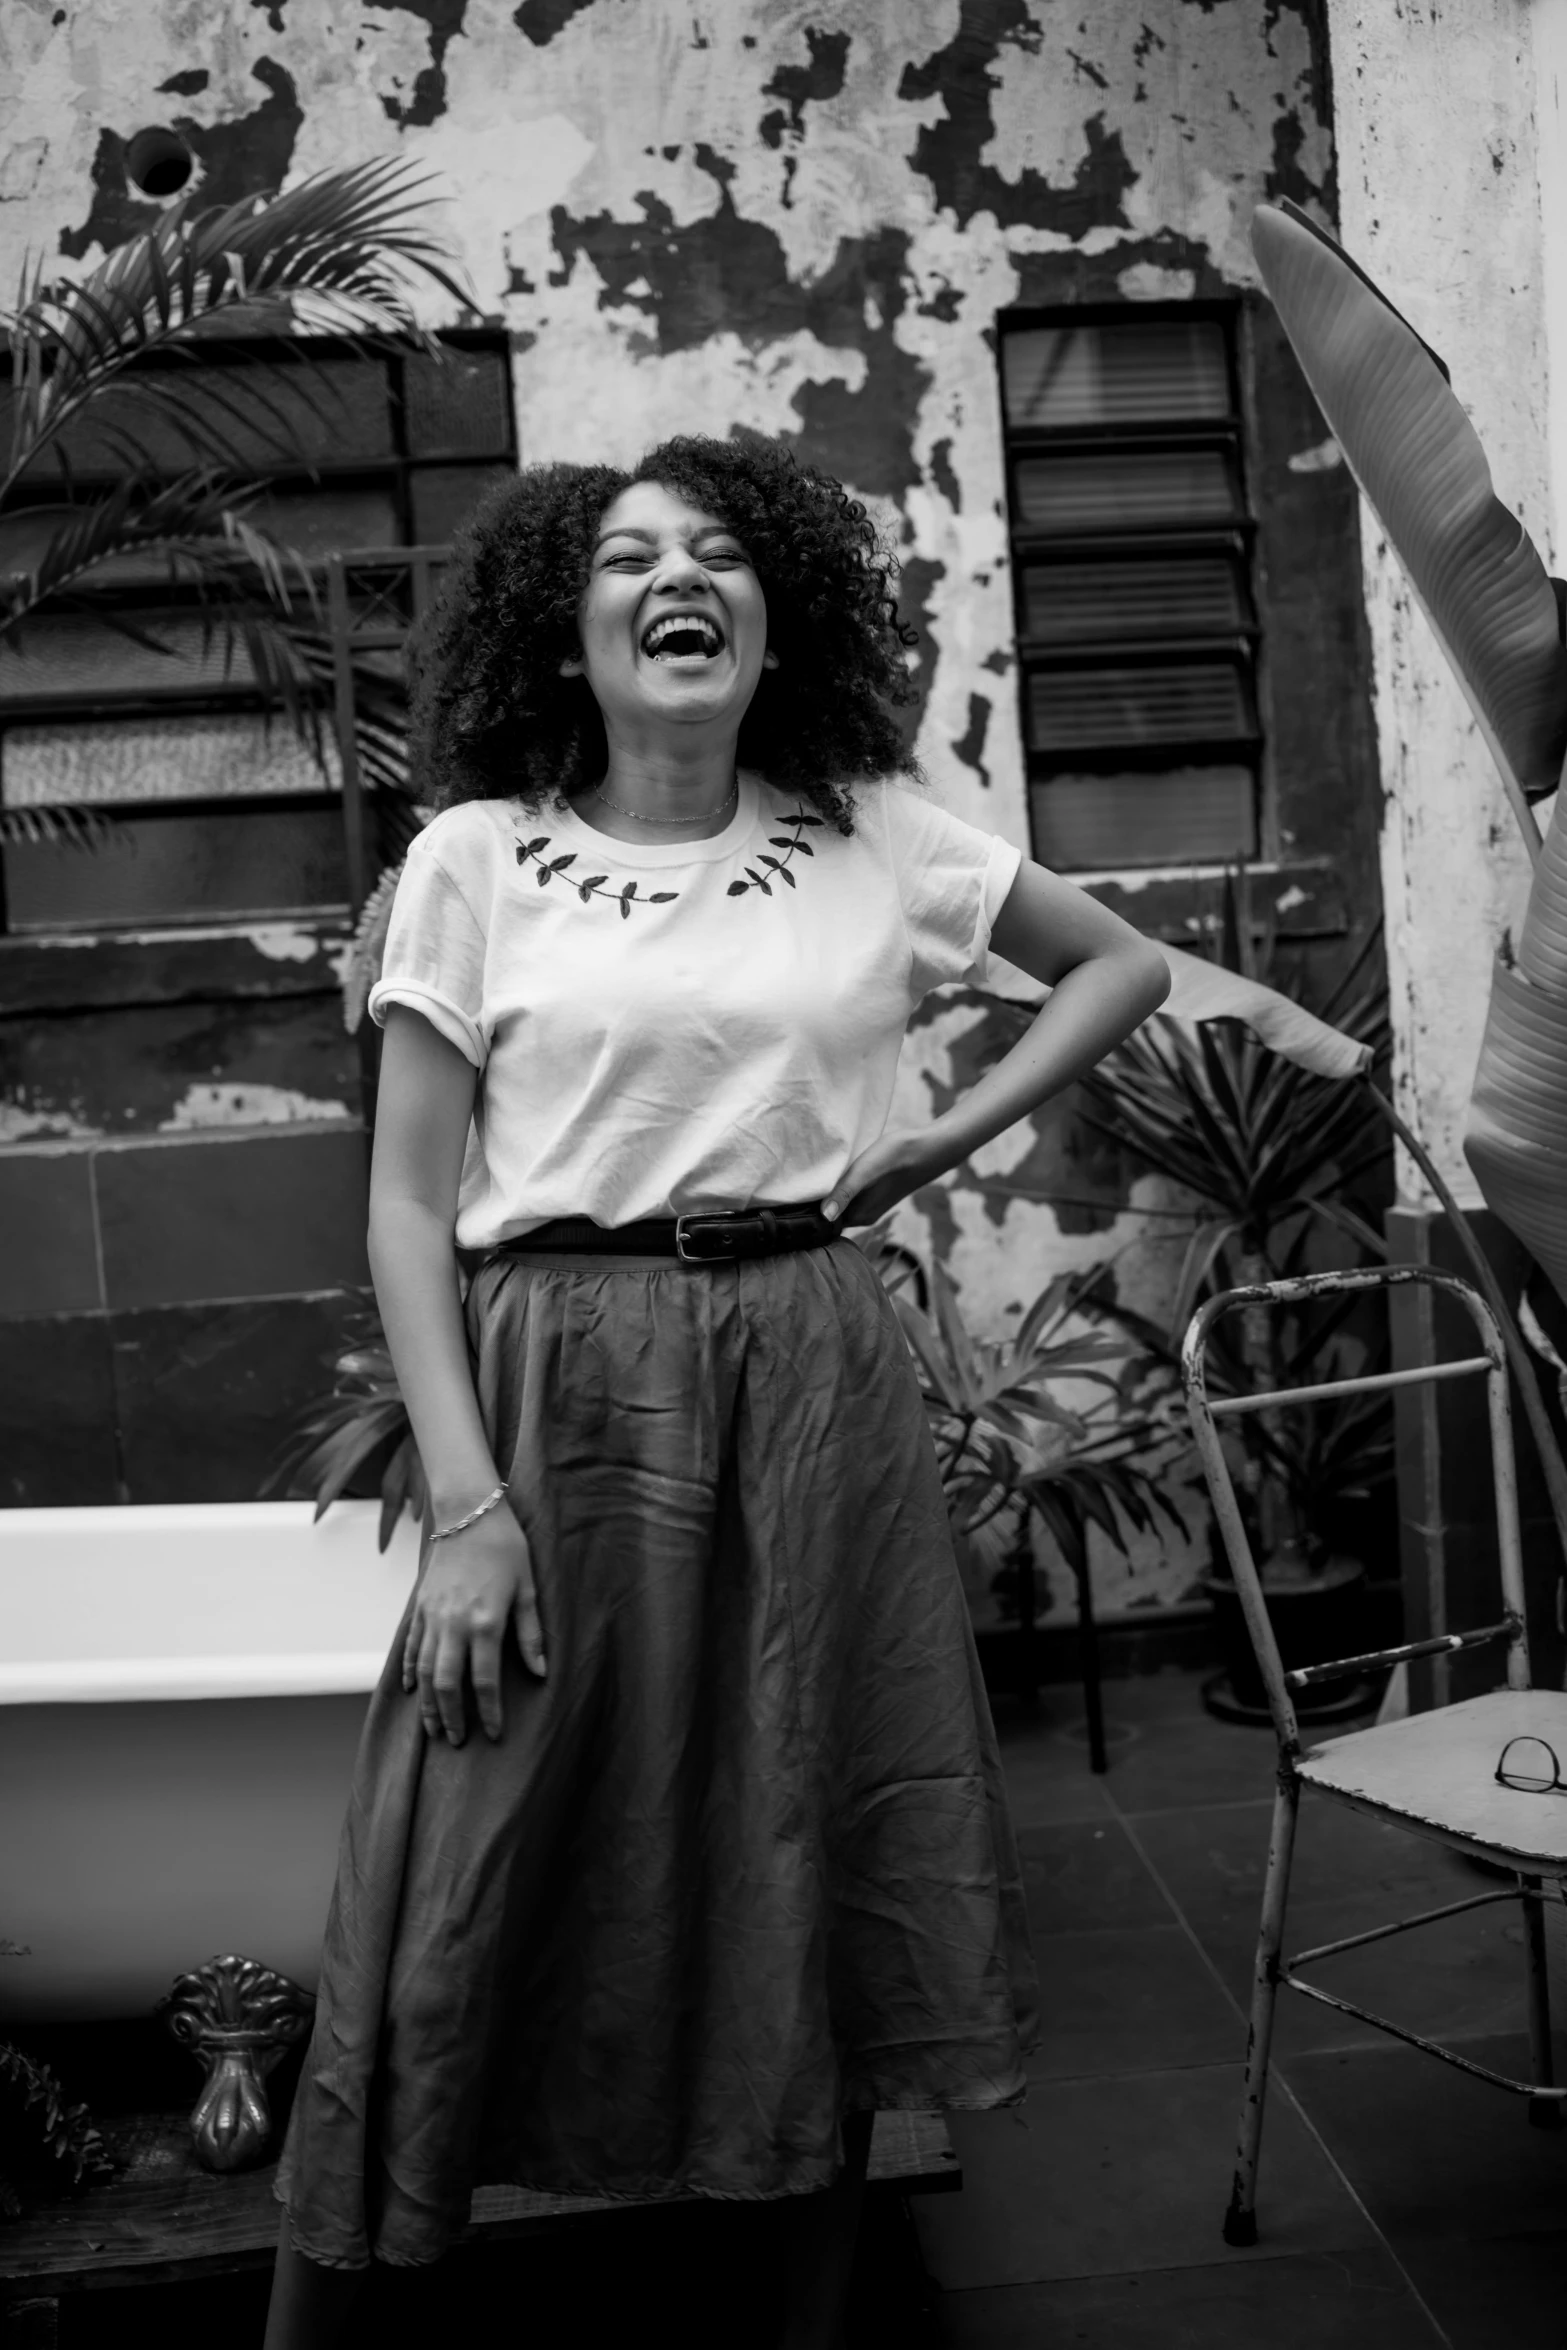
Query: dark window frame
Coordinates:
[1234,537]
[393,472]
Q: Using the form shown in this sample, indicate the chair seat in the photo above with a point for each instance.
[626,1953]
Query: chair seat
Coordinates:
[1436,1773]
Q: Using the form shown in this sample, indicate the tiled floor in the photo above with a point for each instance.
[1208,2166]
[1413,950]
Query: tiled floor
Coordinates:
[1402,2205]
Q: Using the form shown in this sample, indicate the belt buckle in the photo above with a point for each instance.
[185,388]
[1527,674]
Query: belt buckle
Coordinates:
[731,1223]
[740,1224]
[689,1256]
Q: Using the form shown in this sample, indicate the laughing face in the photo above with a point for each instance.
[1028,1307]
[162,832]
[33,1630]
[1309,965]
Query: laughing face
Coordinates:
[673,623]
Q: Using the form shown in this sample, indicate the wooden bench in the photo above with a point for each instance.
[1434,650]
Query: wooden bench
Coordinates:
[162,2219]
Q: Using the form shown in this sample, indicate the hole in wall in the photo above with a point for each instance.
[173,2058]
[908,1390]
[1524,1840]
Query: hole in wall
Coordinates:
[158,162]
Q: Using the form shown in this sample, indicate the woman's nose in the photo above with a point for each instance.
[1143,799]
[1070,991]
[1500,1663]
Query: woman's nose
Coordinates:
[679,568]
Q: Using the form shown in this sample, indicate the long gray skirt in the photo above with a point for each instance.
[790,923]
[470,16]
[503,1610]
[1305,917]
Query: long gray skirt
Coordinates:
[742,1862]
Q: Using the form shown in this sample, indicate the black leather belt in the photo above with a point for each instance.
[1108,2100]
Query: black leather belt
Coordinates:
[696,1240]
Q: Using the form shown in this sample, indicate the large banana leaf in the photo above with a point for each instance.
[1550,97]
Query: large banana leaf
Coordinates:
[1201,991]
[1486,594]
[1419,461]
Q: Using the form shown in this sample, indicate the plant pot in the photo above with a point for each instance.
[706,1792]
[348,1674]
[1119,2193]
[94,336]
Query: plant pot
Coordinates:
[1315,1619]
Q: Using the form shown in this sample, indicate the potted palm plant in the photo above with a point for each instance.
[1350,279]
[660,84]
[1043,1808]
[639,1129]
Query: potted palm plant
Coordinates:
[357,1439]
[49,2142]
[1064,1425]
[1277,1159]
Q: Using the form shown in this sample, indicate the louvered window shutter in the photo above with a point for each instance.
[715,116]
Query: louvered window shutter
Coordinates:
[1137,625]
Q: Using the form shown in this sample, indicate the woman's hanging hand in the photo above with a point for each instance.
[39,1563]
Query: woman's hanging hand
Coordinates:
[476,1585]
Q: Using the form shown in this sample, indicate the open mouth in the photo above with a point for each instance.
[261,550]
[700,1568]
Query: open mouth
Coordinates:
[682,636]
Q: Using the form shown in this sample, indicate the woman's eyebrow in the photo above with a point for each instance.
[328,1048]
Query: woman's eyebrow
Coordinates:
[711,530]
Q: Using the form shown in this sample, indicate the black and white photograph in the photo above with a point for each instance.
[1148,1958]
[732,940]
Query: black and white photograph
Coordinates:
[783,1174]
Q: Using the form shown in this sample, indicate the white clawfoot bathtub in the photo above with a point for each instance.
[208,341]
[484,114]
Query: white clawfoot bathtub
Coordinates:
[181,1696]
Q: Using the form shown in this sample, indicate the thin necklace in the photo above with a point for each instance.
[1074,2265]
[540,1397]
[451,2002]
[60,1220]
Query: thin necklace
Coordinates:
[637,817]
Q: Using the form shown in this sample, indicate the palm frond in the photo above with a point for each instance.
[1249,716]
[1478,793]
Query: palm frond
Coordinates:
[344,254]
[195,524]
[251,594]
[66,825]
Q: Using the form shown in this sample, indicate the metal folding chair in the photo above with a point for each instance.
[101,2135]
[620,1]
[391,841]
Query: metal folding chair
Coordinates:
[1433,1774]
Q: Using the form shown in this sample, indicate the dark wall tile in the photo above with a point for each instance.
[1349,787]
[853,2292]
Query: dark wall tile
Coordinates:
[207,1394]
[254,1215]
[170,864]
[49,1261]
[130,1068]
[57,1444]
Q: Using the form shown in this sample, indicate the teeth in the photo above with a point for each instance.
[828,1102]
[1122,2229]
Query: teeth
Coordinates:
[696,623]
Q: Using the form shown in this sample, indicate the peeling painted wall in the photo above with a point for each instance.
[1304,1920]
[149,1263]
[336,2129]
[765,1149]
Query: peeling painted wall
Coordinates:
[1440,199]
[798,218]
[695,216]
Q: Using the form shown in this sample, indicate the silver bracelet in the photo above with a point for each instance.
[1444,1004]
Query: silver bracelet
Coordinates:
[489,1502]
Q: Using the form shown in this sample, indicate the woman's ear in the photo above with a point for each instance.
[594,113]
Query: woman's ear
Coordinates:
[572,665]
[769,659]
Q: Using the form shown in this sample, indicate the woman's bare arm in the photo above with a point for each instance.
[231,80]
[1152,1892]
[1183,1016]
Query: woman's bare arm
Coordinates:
[476,1581]
[425,1102]
[1105,979]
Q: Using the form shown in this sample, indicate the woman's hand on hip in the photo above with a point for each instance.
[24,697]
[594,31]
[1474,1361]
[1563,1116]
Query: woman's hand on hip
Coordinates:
[475,1584]
[897,1163]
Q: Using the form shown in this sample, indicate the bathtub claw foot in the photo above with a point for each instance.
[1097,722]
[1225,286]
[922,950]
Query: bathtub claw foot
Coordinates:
[237,2018]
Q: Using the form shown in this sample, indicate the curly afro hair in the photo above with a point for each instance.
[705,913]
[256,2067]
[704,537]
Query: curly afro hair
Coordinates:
[494,719]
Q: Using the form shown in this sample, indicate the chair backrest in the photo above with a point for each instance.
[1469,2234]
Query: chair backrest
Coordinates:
[1204,1413]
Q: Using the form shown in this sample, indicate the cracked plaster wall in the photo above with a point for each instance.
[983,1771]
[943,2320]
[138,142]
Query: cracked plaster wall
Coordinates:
[1440,198]
[772,213]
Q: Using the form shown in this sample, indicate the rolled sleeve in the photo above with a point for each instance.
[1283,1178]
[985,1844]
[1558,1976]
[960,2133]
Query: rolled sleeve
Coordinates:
[953,881]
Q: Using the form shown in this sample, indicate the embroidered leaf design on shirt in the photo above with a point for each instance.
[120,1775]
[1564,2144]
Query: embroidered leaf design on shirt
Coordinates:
[792,845]
[592,885]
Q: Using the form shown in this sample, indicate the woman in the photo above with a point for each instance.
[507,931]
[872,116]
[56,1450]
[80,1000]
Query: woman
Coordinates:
[729,1868]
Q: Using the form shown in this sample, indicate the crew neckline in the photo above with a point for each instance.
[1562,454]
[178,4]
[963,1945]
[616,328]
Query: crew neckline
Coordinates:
[711,851]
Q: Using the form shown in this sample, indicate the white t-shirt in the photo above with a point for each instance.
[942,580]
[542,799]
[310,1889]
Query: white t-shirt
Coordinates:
[668,1027]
